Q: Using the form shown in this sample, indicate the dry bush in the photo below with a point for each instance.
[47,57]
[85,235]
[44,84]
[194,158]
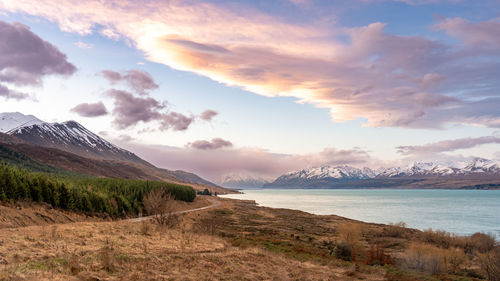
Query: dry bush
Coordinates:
[490,264]
[480,242]
[74,265]
[208,225]
[377,256]
[343,251]
[454,260]
[53,233]
[107,256]
[397,230]
[350,235]
[442,239]
[423,257]
[145,228]
[434,260]
[161,206]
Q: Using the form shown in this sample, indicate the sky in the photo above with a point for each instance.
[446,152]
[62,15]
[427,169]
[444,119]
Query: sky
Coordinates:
[260,88]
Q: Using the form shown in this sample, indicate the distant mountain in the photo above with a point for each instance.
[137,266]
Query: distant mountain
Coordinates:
[321,176]
[12,120]
[188,177]
[476,165]
[243,181]
[478,173]
[72,147]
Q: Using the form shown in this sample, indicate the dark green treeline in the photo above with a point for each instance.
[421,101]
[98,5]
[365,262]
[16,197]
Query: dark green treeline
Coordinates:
[116,197]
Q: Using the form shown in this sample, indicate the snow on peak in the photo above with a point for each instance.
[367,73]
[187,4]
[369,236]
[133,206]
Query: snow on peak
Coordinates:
[327,171]
[12,120]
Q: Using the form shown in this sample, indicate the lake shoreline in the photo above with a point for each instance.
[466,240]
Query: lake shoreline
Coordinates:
[462,212]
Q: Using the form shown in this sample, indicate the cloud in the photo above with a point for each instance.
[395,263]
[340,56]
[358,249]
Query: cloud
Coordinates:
[12,94]
[26,58]
[447,145]
[208,115]
[83,45]
[415,2]
[112,76]
[176,121]
[362,73]
[90,109]
[496,155]
[139,81]
[483,35]
[215,163]
[130,110]
[215,143]
[125,138]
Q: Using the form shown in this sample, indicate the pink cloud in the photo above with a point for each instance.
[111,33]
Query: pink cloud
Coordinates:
[387,80]
[25,59]
[215,143]
[484,34]
[215,163]
[447,145]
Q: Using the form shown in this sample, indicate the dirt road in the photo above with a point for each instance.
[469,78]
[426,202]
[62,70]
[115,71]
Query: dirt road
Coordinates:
[214,202]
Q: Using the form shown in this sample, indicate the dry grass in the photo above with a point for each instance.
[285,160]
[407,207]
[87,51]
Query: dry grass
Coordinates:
[490,264]
[239,241]
[434,260]
[141,251]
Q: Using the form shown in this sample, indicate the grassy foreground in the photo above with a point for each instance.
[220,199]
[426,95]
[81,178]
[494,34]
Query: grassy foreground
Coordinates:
[238,240]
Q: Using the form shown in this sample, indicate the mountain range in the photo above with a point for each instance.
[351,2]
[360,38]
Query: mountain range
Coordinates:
[477,173]
[243,181]
[28,141]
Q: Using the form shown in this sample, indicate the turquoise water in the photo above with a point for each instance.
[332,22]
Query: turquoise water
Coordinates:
[462,212]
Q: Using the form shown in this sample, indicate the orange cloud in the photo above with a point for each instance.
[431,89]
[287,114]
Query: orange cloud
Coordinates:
[388,80]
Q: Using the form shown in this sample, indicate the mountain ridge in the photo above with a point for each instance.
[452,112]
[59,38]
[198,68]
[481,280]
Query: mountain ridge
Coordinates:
[72,147]
[477,171]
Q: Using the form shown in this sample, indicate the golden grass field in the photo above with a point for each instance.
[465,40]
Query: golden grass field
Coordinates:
[236,240]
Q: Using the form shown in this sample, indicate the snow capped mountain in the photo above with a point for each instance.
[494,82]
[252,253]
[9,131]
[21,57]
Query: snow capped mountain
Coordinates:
[326,176]
[243,181]
[336,172]
[322,176]
[12,120]
[477,165]
[69,136]
[481,165]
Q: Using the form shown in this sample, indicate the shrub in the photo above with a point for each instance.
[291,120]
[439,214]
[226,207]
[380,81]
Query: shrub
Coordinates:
[107,257]
[481,242]
[350,235]
[422,257]
[145,228]
[442,239]
[431,259]
[343,251]
[397,230]
[160,205]
[490,264]
[377,256]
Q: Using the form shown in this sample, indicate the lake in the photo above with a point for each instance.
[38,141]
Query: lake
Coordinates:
[461,212]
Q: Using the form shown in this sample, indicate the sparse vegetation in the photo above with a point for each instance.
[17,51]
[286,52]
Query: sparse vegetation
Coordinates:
[159,204]
[490,264]
[241,239]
